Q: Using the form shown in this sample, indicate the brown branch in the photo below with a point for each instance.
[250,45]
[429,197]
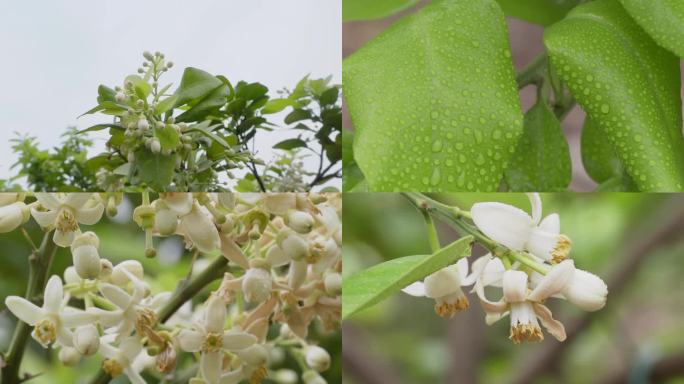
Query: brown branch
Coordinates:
[658,229]
[358,363]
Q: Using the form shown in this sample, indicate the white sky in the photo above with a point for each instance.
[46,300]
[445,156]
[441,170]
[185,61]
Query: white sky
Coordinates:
[54,54]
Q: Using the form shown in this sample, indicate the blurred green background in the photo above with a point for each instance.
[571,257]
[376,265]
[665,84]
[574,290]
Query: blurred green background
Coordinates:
[635,242]
[120,239]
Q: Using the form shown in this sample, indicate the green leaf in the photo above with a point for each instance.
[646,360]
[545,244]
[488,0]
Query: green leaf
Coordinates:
[628,85]
[370,286]
[205,106]
[204,130]
[542,159]
[601,162]
[250,91]
[543,12]
[368,10]
[100,127]
[168,137]
[123,170]
[434,101]
[277,105]
[105,94]
[195,84]
[290,144]
[297,114]
[351,174]
[155,170]
[329,97]
[165,105]
[662,19]
[141,87]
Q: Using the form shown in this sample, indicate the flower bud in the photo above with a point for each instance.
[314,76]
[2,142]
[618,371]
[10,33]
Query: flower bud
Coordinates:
[255,355]
[87,340]
[276,256]
[279,203]
[120,97]
[69,356]
[285,376]
[85,256]
[120,278]
[9,198]
[294,245]
[586,291]
[312,377]
[155,146]
[297,274]
[286,332]
[107,268]
[333,284]
[257,284]
[148,55]
[169,64]
[317,358]
[301,222]
[200,229]
[166,222]
[12,216]
[71,276]
[143,124]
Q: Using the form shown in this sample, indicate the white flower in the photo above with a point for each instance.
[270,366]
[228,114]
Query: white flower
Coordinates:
[133,312]
[317,358]
[445,287]
[69,356]
[7,198]
[515,229]
[294,245]
[87,340]
[199,229]
[12,216]
[257,284]
[211,339]
[279,203]
[525,306]
[333,284]
[85,255]
[120,360]
[64,212]
[52,321]
[300,222]
[586,291]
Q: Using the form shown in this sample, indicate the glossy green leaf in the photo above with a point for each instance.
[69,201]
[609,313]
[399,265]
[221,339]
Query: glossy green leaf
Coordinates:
[277,105]
[165,105]
[205,106]
[156,171]
[662,19]
[628,85]
[100,127]
[141,87]
[204,129]
[105,93]
[251,91]
[195,84]
[375,9]
[351,174]
[290,144]
[297,114]
[542,159]
[434,101]
[543,12]
[329,97]
[372,285]
[168,137]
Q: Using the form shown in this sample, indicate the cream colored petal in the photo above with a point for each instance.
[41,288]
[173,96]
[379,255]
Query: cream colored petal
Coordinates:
[478,266]
[551,224]
[44,218]
[190,341]
[65,337]
[179,202]
[210,366]
[555,280]
[54,293]
[231,251]
[493,273]
[11,216]
[514,286]
[502,223]
[415,289]
[215,315]
[232,377]
[542,243]
[443,282]
[116,295]
[200,229]
[130,347]
[134,376]
[235,340]
[535,202]
[553,326]
[77,200]
[63,239]
[462,265]
[90,215]
[7,198]
[24,310]
[107,318]
[107,350]
[49,200]
[490,307]
[74,319]
[586,291]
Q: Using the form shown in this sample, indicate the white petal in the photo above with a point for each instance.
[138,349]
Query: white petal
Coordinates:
[76,318]
[200,229]
[106,349]
[535,202]
[443,282]
[44,218]
[542,243]
[210,366]
[514,286]
[190,341]
[553,326]
[179,202]
[586,290]
[491,308]
[555,280]
[215,315]
[235,340]
[77,200]
[11,216]
[134,376]
[415,289]
[65,337]
[116,295]
[493,273]
[236,375]
[54,293]
[63,239]
[551,223]
[231,251]
[24,310]
[502,223]
[49,200]
[130,347]
[90,215]
[462,265]
[107,318]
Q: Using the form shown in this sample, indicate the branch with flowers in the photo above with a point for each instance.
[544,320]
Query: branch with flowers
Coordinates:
[275,272]
[528,259]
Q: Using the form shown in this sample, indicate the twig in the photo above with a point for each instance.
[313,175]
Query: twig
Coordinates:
[533,72]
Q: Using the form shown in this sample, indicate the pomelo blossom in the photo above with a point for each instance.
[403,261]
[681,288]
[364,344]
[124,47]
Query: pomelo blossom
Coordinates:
[64,211]
[13,215]
[517,230]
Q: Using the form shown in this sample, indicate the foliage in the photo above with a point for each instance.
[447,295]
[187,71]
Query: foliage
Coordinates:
[434,108]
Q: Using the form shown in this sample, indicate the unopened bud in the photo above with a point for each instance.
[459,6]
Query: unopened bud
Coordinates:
[312,377]
[85,256]
[317,358]
[301,222]
[166,222]
[294,245]
[257,284]
[333,284]
[87,340]
[70,276]
[120,278]
[120,97]
[12,216]
[143,124]
[148,55]
[69,356]
[155,146]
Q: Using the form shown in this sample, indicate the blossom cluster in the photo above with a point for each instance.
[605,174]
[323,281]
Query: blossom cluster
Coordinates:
[283,270]
[541,270]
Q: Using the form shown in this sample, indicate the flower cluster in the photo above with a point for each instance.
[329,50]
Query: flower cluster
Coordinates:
[280,269]
[530,265]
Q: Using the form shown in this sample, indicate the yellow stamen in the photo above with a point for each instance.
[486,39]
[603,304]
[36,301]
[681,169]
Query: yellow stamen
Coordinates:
[112,367]
[562,249]
[213,342]
[45,331]
[526,332]
[448,309]
[66,221]
[146,318]
[258,375]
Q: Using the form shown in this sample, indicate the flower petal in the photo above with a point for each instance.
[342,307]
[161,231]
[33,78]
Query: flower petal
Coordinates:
[490,307]
[551,224]
[553,326]
[215,315]
[542,244]
[514,286]
[492,275]
[555,280]
[134,376]
[179,202]
[503,223]
[24,310]
[234,340]
[116,295]
[107,318]
[210,366]
[130,347]
[535,202]
[44,218]
[65,337]
[190,341]
[478,266]
[200,230]
[106,349]
[77,200]
[236,375]
[54,293]
[74,319]
[49,200]
[586,291]
[90,215]
[63,239]
[462,265]
[443,282]
[415,289]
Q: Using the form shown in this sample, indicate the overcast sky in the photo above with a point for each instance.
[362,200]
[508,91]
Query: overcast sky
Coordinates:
[55,53]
